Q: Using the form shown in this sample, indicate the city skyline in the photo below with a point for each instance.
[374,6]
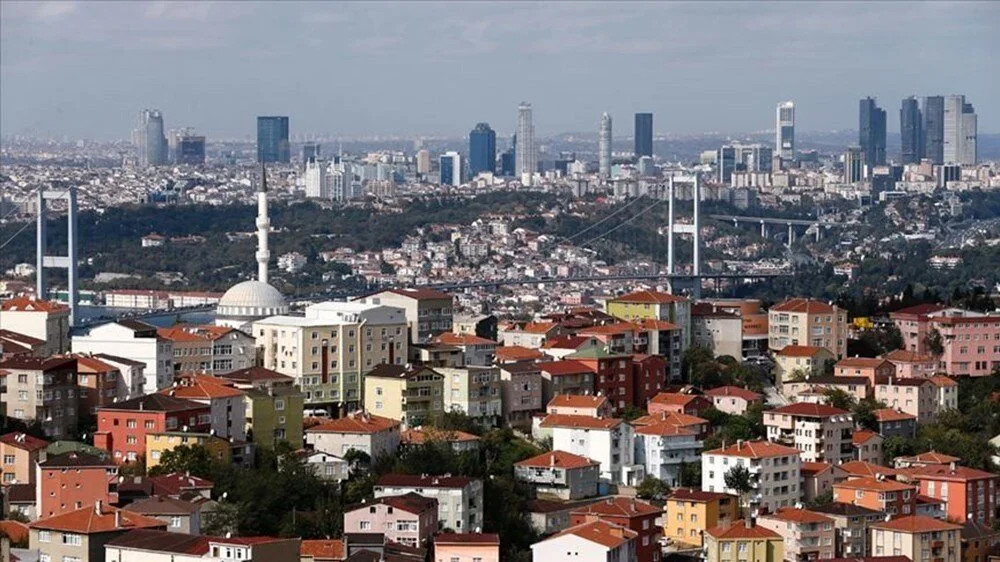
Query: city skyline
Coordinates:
[220,95]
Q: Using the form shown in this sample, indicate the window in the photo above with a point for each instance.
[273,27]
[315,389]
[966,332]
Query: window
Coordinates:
[43,536]
[175,522]
[279,404]
[72,539]
[365,525]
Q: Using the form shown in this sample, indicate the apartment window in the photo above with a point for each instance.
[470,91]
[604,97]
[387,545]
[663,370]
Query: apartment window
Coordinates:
[9,459]
[365,525]
[279,404]
[149,424]
[72,539]
[175,522]
[131,424]
[44,536]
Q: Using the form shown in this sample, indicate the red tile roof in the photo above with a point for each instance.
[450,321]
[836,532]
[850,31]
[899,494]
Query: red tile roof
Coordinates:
[809,409]
[795,515]
[587,422]
[808,306]
[23,441]
[946,472]
[355,423]
[558,459]
[610,329]
[25,304]
[649,297]
[672,418]
[190,333]
[195,387]
[866,483]
[694,495]
[565,342]
[619,506]
[739,530]
[812,468]
[323,549]
[861,362]
[662,429]
[673,398]
[889,415]
[600,532]
[906,356]
[942,381]
[755,449]
[175,483]
[743,393]
[800,350]
[419,435]
[91,519]
[577,401]
[916,524]
[932,457]
[862,436]
[395,480]
[467,538]
[565,367]
[867,469]
[15,530]
[517,353]
[920,309]
[451,338]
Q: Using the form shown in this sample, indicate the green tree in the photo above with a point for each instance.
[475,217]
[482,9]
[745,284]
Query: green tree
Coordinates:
[224,519]
[195,460]
[839,398]
[738,479]
[632,412]
[823,499]
[864,413]
[934,342]
[652,488]
[691,474]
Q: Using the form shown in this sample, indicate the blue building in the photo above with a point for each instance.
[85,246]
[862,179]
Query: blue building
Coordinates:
[643,134]
[191,150]
[482,149]
[911,131]
[451,168]
[871,132]
[272,140]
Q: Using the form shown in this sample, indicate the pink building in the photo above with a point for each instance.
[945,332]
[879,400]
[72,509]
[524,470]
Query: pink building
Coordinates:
[467,547]
[911,364]
[970,340]
[410,519]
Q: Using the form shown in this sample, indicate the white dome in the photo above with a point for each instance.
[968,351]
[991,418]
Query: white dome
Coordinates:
[251,300]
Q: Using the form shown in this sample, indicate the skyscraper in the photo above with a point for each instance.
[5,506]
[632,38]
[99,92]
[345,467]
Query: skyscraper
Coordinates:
[933,119]
[482,149]
[423,161]
[149,140]
[272,140]
[871,132]
[525,155]
[960,132]
[604,146]
[643,134]
[310,151]
[451,168]
[854,164]
[785,130]
[911,131]
[191,150]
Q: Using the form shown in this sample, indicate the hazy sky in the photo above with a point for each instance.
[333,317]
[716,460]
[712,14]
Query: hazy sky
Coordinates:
[361,69]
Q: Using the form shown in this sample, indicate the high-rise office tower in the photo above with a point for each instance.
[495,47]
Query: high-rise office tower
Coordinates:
[854,164]
[871,132]
[423,161]
[784,143]
[451,168]
[482,149]
[911,131]
[272,140]
[960,132]
[525,155]
[316,180]
[191,150]
[933,129]
[643,134]
[310,151]
[150,142]
[604,147]
[742,158]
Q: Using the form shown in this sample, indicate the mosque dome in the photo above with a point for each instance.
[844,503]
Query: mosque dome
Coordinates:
[248,301]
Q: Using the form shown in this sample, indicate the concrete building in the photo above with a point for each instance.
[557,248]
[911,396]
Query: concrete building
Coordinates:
[807,322]
[597,541]
[807,535]
[677,403]
[919,538]
[45,320]
[525,151]
[851,524]
[477,351]
[560,474]
[784,144]
[822,433]
[226,403]
[147,545]
[604,147]
[960,131]
[653,305]
[122,427]
[867,446]
[467,547]
[580,405]
[629,513]
[21,454]
[870,368]
[70,481]
[609,441]
[274,406]
[411,394]
[733,399]
[476,391]
[409,519]
[158,443]
[135,340]
[893,422]
[181,516]
[689,513]
[428,312]
[567,377]
[743,541]
[211,350]
[797,361]
[963,336]
[132,379]
[774,472]
[917,397]
[970,495]
[663,449]
[83,533]
[754,328]
[43,391]
[459,499]
[893,498]
[521,392]
[373,435]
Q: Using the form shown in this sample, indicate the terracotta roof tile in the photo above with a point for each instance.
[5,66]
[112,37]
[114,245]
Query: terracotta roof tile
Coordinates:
[890,415]
[739,530]
[25,304]
[906,356]
[420,435]
[649,297]
[861,362]
[674,398]
[603,533]
[577,401]
[916,524]
[866,483]
[736,391]
[323,549]
[861,436]
[800,351]
[567,420]
[195,387]
[517,353]
[663,429]
[452,338]
[795,515]
[808,306]
[91,519]
[619,506]
[812,468]
[809,409]
[565,367]
[23,441]
[672,418]
[755,449]
[867,469]
[695,495]
[557,459]
[356,423]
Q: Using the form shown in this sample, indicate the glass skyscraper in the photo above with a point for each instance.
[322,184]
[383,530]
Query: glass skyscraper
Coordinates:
[784,142]
[150,142]
[643,134]
[191,150]
[871,132]
[482,149]
[911,131]
[933,119]
[272,140]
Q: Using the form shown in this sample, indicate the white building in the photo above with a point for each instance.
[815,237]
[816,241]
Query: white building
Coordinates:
[44,320]
[292,262]
[460,499]
[132,382]
[604,147]
[373,435]
[609,441]
[598,541]
[663,448]
[774,472]
[960,131]
[823,433]
[525,154]
[784,144]
[135,340]
[316,181]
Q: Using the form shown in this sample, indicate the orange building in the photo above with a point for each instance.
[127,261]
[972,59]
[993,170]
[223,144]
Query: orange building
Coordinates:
[676,403]
[889,496]
[71,481]
[97,382]
[21,454]
[864,367]
[969,494]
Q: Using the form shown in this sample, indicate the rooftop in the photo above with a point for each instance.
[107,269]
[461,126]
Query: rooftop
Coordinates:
[588,422]
[808,409]
[650,297]
[396,480]
[755,449]
[733,391]
[739,530]
[356,423]
[621,507]
[603,533]
[97,519]
[800,351]
[577,401]
[916,524]
[557,459]
[807,306]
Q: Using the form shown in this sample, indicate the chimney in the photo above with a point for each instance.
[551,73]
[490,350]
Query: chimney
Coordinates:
[118,519]
[97,507]
[748,522]
[951,466]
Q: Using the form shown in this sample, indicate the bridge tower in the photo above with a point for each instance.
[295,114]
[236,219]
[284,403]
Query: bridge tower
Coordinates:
[694,229]
[67,262]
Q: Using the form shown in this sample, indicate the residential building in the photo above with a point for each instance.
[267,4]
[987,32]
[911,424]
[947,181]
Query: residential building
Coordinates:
[208,349]
[476,350]
[467,547]
[968,339]
[930,458]
[754,333]
[635,515]
[13,343]
[649,378]
[720,331]
[42,390]
[227,404]
[800,362]
[689,513]
[807,535]
[566,377]
[895,499]
[663,449]
[817,480]
[148,545]
[867,446]
[920,538]
[675,402]
[580,405]
[743,541]
[821,432]
[654,305]
[429,312]
[560,474]
[851,523]
[910,364]
[181,516]
[158,443]
[613,374]
[814,388]
[531,335]
[597,541]
[409,519]
[98,383]
[459,499]
[866,367]
[327,466]
[329,349]
[135,340]
[122,427]
[476,391]
[20,454]
[459,441]
[274,406]
[694,424]
[373,435]
[408,393]
[521,392]
[44,320]
[893,422]
[83,533]
[917,397]
[733,400]
[609,441]
[774,472]
[808,322]
[970,495]
[69,481]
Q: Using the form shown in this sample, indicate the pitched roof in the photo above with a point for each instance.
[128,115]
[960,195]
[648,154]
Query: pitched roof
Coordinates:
[656,297]
[175,483]
[23,441]
[796,515]
[694,495]
[743,393]
[619,506]
[610,329]
[194,333]
[600,532]
[755,449]
[800,351]
[410,502]
[163,505]
[162,541]
[932,457]
[861,362]
[866,483]
[323,549]
[942,381]
[452,338]
[889,415]
[867,469]
[739,530]
[26,304]
[577,401]
[808,306]
[397,480]
[840,508]
[492,539]
[75,459]
[15,530]
[201,387]
[862,436]
[672,418]
[421,293]
[674,398]
[155,403]
[809,409]
[812,468]
[907,356]
[916,524]
[30,363]
[388,371]
[557,459]
[594,353]
[565,342]
[93,519]
[565,367]
[254,375]
[420,435]
[588,422]
[920,309]
[20,338]
[356,423]
[946,472]
[517,353]
[663,429]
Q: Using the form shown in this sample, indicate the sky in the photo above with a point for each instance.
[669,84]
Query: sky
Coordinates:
[356,69]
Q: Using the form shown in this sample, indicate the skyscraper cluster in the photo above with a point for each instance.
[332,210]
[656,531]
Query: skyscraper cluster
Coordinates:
[943,131]
[149,140]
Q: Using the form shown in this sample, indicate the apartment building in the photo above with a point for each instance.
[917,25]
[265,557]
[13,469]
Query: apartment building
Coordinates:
[917,397]
[330,349]
[689,513]
[69,481]
[476,391]
[807,322]
[870,368]
[373,435]
[530,335]
[158,443]
[597,541]
[910,364]
[794,361]
[412,394]
[817,479]
[630,513]
[753,330]
[135,340]
[893,422]
[208,349]
[275,406]
[580,405]
[774,472]
[893,498]
[43,390]
[476,350]
[409,519]
[81,535]
[98,383]
[226,403]
[823,433]
[970,341]
[613,375]
[20,454]
[429,312]
[851,524]
[867,446]
[947,393]
[132,379]
[459,499]
[675,402]
[654,305]
[808,535]
[521,392]
[560,474]
[743,541]
[566,377]
[733,400]
[919,538]
[154,545]
[970,495]
[47,321]
[122,427]
[609,441]
[662,449]
[467,547]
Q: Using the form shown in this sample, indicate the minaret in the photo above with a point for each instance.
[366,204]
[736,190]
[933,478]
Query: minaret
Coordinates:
[263,226]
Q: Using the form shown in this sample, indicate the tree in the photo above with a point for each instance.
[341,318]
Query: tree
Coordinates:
[632,412]
[934,342]
[839,398]
[652,488]
[221,520]
[898,446]
[864,413]
[738,479]
[822,499]
[191,459]
[691,474]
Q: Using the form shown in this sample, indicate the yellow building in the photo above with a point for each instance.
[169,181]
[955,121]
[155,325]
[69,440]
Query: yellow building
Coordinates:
[689,513]
[159,443]
[807,360]
[807,322]
[409,395]
[654,305]
[742,541]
